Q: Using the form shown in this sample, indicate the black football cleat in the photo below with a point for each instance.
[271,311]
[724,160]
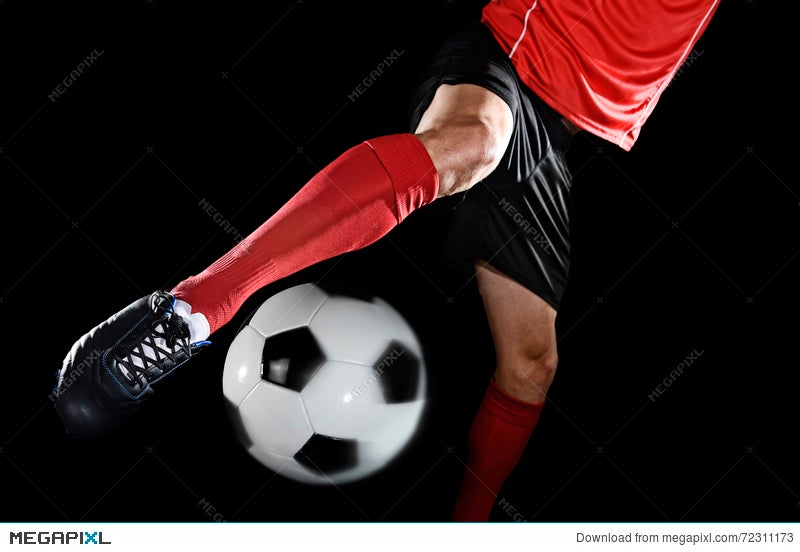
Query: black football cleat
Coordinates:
[110,372]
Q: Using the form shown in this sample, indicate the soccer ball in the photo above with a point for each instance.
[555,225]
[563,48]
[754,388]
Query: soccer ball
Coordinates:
[325,388]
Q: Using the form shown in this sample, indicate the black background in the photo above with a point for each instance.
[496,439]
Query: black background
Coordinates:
[687,244]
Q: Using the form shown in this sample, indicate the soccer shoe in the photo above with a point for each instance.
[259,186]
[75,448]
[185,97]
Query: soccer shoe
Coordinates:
[110,372]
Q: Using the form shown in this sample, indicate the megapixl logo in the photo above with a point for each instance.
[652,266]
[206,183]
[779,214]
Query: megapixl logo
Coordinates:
[57,537]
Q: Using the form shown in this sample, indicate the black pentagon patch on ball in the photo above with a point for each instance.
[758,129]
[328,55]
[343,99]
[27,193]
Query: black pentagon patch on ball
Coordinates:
[398,374]
[290,359]
[328,455]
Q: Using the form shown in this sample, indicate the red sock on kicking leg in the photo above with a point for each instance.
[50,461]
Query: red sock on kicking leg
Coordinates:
[497,439]
[351,203]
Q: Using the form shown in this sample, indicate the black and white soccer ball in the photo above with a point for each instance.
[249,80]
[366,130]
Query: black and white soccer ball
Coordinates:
[325,388]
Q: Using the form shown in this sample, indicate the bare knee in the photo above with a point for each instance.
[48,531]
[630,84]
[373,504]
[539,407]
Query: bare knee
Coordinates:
[463,152]
[466,131]
[527,372]
[524,335]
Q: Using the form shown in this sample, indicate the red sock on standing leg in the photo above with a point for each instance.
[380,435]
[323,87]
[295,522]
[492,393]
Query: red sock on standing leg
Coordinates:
[351,203]
[497,439]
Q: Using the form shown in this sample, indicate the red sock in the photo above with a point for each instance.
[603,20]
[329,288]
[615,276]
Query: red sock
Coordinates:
[348,205]
[497,439]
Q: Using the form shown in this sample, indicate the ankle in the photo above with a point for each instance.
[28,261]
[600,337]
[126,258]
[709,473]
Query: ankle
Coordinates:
[199,328]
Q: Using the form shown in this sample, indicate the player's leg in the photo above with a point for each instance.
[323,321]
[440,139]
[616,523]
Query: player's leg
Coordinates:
[524,335]
[523,330]
[351,203]
[360,197]
[466,129]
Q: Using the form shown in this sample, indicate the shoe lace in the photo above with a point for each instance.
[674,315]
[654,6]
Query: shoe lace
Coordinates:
[165,341]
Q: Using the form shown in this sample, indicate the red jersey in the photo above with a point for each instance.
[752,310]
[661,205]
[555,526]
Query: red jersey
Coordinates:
[602,64]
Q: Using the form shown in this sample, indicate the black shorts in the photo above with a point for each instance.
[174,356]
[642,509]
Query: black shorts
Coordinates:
[517,219]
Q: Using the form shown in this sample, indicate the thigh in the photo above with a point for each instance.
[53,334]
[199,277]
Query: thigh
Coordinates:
[470,55]
[517,217]
[462,108]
